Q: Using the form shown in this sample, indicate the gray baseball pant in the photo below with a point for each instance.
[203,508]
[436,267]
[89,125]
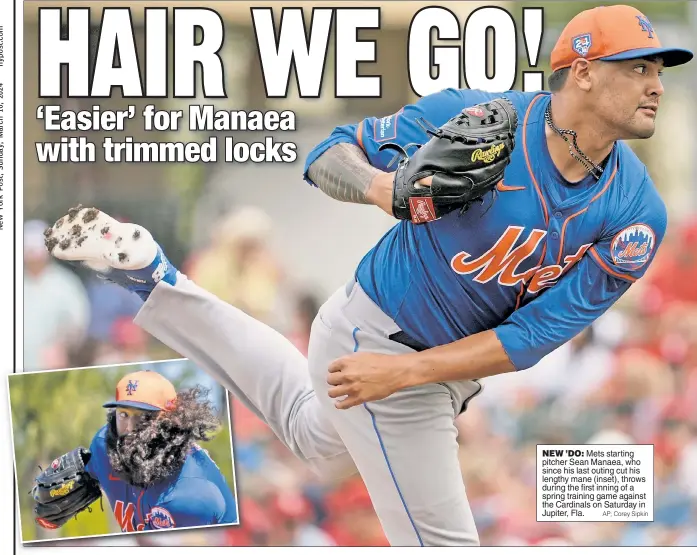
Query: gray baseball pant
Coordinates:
[405,446]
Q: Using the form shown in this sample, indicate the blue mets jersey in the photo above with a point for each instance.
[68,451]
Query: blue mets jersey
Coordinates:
[537,262]
[198,495]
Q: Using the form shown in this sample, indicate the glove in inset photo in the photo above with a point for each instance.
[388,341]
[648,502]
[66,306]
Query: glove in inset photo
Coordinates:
[117,450]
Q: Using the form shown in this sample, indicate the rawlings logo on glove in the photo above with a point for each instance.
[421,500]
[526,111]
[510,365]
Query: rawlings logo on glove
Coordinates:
[64,489]
[465,158]
[487,156]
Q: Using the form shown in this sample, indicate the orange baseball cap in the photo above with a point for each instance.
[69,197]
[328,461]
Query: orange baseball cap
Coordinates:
[144,390]
[612,33]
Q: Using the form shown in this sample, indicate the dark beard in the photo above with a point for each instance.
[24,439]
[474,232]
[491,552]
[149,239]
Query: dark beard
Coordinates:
[158,447]
[144,457]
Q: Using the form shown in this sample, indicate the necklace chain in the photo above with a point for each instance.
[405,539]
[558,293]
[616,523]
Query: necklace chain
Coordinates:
[595,170]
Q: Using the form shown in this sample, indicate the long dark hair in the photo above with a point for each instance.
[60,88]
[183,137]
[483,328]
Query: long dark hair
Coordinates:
[160,443]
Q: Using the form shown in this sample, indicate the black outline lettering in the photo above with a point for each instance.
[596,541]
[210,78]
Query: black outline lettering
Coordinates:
[189,119]
[64,148]
[173,117]
[226,141]
[197,63]
[515,48]
[86,120]
[490,35]
[146,90]
[235,156]
[291,156]
[274,147]
[539,47]
[431,49]
[326,51]
[117,48]
[357,62]
[147,119]
[257,42]
[260,155]
[178,152]
[292,66]
[61,27]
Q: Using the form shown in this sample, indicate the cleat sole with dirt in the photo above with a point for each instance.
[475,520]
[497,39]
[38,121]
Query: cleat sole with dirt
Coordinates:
[105,243]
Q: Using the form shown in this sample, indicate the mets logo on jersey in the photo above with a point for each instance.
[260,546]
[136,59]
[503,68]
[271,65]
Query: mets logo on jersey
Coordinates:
[160,518]
[125,516]
[632,247]
[503,262]
[131,387]
[157,518]
[582,44]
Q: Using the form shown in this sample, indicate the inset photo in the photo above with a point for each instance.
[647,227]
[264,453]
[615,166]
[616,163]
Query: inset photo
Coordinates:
[121,449]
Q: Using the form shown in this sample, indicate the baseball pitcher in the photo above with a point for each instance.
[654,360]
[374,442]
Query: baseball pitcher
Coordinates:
[147,462]
[522,218]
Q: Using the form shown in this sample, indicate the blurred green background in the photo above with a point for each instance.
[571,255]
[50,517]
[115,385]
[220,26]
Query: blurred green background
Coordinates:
[54,412]
[614,384]
[183,203]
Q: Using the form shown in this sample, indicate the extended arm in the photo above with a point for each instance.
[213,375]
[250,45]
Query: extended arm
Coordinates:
[344,173]
[529,334]
[621,256]
[532,332]
[350,167]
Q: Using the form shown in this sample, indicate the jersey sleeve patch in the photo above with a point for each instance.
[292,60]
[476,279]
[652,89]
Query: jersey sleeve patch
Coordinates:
[160,519]
[632,247]
[385,129]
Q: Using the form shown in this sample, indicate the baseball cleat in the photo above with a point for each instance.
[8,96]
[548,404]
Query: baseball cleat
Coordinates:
[120,252]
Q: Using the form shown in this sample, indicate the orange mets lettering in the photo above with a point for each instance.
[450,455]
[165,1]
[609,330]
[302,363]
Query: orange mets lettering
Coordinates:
[502,261]
[544,277]
[547,276]
[573,258]
[124,518]
[633,250]
[160,518]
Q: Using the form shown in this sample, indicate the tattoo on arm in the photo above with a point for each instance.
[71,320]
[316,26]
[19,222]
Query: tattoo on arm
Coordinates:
[343,173]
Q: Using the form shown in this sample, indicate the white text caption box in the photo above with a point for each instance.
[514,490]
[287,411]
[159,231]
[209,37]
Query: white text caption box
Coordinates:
[594,483]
